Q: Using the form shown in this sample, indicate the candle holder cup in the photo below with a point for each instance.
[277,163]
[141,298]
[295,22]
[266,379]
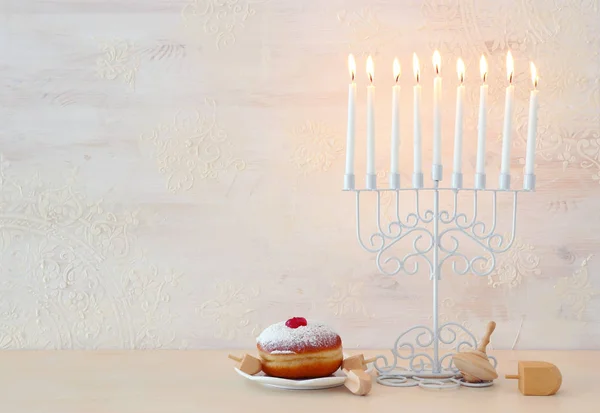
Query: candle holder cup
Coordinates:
[480,181]
[457,180]
[349,182]
[529,182]
[371,182]
[394,181]
[504,182]
[417,180]
[437,172]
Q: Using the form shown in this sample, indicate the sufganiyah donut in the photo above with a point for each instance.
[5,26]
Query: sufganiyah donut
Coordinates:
[297,349]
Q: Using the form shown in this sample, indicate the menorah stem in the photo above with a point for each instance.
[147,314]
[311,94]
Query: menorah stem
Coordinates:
[436,275]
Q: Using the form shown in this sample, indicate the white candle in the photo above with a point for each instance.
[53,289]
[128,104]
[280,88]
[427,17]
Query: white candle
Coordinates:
[370,119]
[532,126]
[350,134]
[508,116]
[458,124]
[437,110]
[481,125]
[394,169]
[417,145]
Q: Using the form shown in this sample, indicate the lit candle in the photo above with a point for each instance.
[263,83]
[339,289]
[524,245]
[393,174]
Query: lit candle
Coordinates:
[437,110]
[417,145]
[458,124]
[394,169]
[532,126]
[508,116]
[370,119]
[481,126]
[350,134]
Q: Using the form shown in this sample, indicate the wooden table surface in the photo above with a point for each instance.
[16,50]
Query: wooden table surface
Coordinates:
[204,381]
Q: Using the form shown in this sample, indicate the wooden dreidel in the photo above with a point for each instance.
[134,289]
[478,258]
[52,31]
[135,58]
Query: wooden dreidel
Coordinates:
[358,381]
[248,364]
[537,378]
[356,362]
[475,365]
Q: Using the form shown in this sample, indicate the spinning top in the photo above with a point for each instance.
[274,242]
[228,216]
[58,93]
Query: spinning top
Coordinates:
[248,364]
[475,365]
[537,378]
[356,362]
[358,381]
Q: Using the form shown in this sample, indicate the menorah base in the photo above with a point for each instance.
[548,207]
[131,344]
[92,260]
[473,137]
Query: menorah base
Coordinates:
[428,382]
[419,348]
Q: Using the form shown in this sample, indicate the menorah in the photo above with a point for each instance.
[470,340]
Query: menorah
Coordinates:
[436,235]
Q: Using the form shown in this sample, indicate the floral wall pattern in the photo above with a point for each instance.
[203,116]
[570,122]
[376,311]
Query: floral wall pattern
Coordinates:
[171,171]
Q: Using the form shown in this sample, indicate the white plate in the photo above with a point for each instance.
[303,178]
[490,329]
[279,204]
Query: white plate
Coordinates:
[336,380]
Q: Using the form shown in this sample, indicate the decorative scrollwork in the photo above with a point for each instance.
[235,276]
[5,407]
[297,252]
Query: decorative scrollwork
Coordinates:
[448,334]
[418,360]
[454,225]
[419,252]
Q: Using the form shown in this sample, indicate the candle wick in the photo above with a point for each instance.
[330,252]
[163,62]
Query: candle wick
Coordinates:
[484,76]
[510,78]
[417,77]
[371,78]
[353,76]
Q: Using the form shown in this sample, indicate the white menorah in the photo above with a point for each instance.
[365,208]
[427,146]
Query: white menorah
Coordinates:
[436,233]
[435,236]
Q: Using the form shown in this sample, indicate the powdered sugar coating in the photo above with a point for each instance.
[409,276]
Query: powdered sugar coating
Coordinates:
[282,352]
[280,338]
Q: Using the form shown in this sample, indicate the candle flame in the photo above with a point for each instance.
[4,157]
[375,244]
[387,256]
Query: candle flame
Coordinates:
[460,69]
[416,67]
[370,68]
[483,68]
[437,62]
[510,66]
[396,70]
[534,76]
[351,66]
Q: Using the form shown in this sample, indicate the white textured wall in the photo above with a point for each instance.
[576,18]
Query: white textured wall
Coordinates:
[171,170]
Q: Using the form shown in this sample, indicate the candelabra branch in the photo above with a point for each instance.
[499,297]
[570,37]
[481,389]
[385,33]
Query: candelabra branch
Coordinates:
[457,225]
[463,217]
[445,216]
[428,216]
[412,219]
[397,224]
[376,236]
[381,241]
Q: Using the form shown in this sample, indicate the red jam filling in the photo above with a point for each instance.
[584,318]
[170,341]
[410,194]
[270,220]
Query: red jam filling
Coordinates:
[296,322]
